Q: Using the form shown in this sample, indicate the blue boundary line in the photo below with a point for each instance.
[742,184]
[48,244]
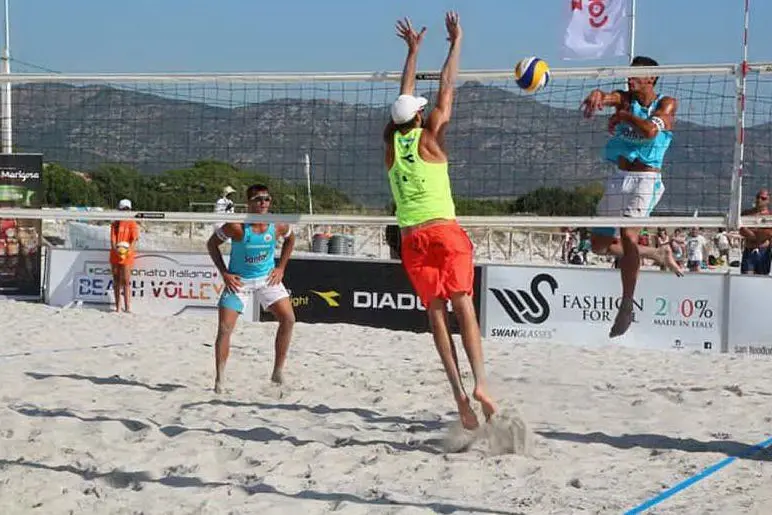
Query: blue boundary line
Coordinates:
[686,483]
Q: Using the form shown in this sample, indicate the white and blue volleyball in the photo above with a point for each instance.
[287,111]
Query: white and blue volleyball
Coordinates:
[532,74]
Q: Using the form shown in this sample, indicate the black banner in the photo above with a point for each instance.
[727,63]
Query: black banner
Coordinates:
[369,293]
[21,185]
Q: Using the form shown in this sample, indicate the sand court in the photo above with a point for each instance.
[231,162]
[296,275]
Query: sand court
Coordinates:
[106,413]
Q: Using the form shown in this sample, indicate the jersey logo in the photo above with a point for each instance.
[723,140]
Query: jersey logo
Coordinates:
[267,238]
[406,142]
[259,258]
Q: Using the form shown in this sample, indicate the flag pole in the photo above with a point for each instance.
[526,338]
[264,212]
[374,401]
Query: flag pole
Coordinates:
[632,28]
[6,129]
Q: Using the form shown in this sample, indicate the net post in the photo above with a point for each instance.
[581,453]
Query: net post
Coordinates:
[735,206]
[735,201]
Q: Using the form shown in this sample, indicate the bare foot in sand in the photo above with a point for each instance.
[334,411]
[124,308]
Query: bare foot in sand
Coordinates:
[277,377]
[467,414]
[219,384]
[488,406]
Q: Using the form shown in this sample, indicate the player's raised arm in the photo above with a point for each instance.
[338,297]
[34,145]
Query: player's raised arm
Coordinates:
[407,86]
[413,39]
[598,99]
[440,115]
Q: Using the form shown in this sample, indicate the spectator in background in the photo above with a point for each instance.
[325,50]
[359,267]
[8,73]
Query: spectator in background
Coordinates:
[124,235]
[678,246]
[662,238]
[585,244]
[696,250]
[722,243]
[756,252]
[566,245]
[643,238]
[224,204]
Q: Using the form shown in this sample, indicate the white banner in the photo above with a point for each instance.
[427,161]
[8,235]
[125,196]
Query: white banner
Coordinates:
[577,306]
[750,329]
[597,29]
[162,284]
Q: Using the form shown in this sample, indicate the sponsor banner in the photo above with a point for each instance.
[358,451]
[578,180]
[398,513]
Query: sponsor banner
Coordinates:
[371,293]
[167,284]
[750,332]
[578,306]
[21,185]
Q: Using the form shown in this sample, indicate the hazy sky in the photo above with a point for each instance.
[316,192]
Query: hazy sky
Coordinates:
[350,35]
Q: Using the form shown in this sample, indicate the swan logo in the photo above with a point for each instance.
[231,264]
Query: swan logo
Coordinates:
[527,307]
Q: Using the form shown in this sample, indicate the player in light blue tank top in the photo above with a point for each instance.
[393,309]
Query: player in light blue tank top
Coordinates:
[628,143]
[252,274]
[252,257]
[641,133]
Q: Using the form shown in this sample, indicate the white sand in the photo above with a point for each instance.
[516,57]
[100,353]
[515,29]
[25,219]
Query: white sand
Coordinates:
[135,427]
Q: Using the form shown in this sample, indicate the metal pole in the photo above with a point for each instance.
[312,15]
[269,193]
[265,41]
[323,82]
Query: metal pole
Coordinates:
[310,230]
[632,29]
[7,137]
[735,207]
[308,183]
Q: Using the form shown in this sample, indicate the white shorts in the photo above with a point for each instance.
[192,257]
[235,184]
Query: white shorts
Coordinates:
[633,194]
[265,295]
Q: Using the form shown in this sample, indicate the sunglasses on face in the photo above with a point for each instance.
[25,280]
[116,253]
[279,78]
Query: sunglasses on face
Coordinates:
[762,198]
[260,198]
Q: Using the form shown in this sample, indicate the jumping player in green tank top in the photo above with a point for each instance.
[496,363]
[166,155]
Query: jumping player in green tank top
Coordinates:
[436,252]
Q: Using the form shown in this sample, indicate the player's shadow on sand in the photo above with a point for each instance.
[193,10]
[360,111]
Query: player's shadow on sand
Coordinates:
[414,426]
[32,411]
[255,434]
[112,380]
[661,442]
[264,434]
[136,480]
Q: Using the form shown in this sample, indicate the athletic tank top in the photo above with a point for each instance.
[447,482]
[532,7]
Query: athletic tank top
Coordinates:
[253,256]
[421,190]
[627,143]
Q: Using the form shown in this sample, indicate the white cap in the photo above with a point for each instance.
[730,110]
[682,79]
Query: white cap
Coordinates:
[124,204]
[406,107]
[227,190]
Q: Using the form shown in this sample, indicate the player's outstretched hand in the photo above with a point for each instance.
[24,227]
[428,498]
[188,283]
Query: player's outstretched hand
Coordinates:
[593,102]
[453,25]
[406,31]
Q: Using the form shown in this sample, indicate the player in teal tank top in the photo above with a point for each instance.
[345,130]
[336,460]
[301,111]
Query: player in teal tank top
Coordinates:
[252,273]
[641,133]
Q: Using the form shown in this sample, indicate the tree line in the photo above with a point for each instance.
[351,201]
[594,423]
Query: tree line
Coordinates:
[175,190]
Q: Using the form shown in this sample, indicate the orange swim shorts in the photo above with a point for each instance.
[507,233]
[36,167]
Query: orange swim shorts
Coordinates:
[438,260]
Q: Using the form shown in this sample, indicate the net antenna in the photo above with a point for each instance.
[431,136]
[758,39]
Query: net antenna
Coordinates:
[7,121]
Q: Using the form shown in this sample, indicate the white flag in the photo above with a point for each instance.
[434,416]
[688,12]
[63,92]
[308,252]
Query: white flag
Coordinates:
[597,29]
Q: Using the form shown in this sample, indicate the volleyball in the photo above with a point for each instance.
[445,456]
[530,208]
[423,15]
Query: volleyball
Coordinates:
[532,74]
[122,248]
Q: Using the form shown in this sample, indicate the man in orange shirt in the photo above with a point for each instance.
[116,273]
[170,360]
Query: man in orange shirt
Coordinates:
[124,235]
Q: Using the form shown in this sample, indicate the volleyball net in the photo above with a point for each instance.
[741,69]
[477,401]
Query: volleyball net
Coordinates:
[172,142]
